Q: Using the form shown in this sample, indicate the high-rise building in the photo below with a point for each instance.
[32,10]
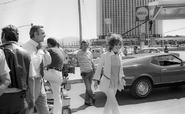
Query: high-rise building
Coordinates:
[121,17]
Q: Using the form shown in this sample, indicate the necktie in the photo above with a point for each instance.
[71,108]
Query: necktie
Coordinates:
[42,68]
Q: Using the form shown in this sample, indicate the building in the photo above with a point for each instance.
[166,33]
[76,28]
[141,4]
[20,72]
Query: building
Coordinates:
[119,16]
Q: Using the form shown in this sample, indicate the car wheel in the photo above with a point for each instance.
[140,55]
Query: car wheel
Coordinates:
[66,110]
[141,88]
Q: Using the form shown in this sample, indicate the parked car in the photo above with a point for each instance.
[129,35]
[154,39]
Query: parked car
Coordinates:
[145,71]
[97,52]
[153,50]
[149,50]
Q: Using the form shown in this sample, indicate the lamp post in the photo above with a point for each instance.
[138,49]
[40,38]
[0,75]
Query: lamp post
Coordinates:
[80,21]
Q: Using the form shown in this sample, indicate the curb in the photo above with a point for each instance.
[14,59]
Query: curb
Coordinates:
[75,81]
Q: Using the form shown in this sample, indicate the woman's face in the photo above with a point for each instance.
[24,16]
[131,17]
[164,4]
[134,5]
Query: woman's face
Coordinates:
[117,47]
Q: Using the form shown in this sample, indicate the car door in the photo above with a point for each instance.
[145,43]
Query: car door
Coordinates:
[171,69]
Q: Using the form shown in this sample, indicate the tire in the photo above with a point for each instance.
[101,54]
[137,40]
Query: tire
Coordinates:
[141,88]
[66,110]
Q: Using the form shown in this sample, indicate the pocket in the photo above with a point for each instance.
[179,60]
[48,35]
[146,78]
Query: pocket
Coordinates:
[104,84]
[83,74]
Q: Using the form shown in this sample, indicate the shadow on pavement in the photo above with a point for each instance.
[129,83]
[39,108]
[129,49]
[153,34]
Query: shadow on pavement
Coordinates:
[157,94]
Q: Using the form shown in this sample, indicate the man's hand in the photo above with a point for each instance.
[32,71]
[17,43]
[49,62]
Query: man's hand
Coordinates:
[41,46]
[31,104]
[65,80]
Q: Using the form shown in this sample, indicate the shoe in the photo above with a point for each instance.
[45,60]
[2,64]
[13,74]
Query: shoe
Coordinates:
[88,104]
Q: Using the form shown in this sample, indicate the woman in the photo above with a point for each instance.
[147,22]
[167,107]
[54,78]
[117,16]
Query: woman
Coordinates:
[112,78]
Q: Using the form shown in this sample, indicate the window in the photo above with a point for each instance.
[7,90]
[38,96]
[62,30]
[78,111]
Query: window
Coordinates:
[155,61]
[169,60]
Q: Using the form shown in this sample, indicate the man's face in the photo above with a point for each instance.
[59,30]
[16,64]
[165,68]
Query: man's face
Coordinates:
[85,46]
[40,35]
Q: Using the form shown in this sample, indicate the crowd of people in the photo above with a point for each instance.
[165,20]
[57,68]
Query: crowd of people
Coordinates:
[23,70]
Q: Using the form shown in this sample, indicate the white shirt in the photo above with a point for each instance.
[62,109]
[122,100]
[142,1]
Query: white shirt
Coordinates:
[37,55]
[3,65]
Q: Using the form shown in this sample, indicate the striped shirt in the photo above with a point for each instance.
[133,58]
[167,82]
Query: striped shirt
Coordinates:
[85,60]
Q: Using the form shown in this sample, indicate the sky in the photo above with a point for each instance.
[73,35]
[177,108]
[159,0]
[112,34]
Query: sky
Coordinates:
[60,18]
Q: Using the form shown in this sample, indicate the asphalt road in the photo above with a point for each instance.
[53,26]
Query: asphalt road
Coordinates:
[167,100]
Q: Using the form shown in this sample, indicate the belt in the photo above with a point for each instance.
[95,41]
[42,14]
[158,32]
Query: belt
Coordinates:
[54,68]
[12,90]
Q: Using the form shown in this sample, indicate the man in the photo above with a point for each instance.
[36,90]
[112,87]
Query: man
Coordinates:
[84,58]
[54,73]
[13,99]
[40,58]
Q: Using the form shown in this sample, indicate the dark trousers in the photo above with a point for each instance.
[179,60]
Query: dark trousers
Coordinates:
[13,103]
[87,78]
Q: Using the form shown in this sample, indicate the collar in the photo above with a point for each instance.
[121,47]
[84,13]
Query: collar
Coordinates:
[11,42]
[33,43]
[112,53]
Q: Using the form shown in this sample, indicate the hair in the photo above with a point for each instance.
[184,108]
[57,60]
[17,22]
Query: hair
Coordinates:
[53,42]
[34,29]
[82,43]
[10,33]
[113,40]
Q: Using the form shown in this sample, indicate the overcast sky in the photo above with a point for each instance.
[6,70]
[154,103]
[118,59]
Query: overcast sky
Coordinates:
[60,17]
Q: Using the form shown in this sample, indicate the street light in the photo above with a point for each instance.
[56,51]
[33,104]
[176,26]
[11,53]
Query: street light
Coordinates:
[25,25]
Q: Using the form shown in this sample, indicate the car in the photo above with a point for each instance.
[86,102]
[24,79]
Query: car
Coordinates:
[143,72]
[149,50]
[153,50]
[97,52]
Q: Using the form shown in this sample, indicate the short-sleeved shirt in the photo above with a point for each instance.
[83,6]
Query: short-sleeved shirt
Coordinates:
[3,65]
[85,60]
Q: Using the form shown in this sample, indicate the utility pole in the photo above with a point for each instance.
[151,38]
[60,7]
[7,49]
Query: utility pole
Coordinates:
[80,21]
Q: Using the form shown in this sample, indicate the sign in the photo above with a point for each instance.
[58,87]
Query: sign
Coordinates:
[142,13]
[108,21]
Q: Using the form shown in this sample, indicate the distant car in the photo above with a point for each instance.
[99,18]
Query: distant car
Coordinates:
[149,50]
[145,71]
[96,52]
[152,50]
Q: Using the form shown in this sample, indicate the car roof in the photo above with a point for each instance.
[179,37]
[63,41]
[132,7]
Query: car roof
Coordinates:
[147,55]
[150,48]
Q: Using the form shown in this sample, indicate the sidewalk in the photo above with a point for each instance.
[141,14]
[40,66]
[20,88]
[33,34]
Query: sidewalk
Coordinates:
[75,78]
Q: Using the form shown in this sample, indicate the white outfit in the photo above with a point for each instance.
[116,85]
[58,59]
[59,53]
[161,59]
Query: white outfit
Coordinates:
[38,56]
[111,79]
[55,79]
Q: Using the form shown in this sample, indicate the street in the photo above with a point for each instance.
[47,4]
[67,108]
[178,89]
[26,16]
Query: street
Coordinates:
[167,100]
